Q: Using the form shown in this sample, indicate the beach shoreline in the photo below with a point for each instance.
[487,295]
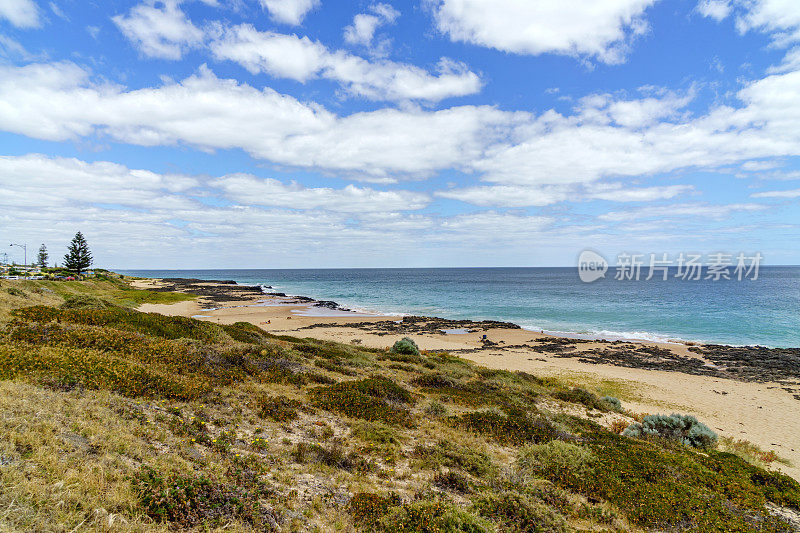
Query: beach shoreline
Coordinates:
[730,388]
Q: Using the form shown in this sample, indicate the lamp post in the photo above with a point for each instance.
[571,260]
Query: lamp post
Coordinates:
[25,249]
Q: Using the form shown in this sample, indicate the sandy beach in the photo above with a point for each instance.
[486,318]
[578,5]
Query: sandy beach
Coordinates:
[755,404]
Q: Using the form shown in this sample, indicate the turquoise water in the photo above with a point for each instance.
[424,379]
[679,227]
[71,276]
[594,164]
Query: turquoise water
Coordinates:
[765,311]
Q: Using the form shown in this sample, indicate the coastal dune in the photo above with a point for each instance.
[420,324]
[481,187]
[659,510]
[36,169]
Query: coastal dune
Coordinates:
[733,393]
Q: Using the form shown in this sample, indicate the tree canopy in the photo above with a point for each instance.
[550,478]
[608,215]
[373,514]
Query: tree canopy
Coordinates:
[78,258]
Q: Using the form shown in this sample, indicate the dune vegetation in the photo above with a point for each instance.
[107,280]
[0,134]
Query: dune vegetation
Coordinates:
[113,419]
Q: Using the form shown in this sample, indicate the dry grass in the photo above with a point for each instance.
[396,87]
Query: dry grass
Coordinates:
[268,440]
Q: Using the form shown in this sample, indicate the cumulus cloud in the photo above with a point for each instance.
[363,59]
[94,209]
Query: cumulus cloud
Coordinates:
[591,144]
[542,195]
[718,212]
[43,182]
[20,13]
[781,18]
[351,199]
[793,193]
[289,11]
[600,29]
[160,29]
[715,9]
[362,30]
[301,59]
[58,101]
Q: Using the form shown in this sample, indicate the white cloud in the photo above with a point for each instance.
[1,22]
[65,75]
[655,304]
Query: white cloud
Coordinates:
[715,9]
[507,196]
[301,59]
[160,29]
[681,211]
[617,192]
[781,18]
[59,102]
[590,144]
[593,28]
[793,193]
[289,11]
[495,226]
[43,182]
[364,26]
[351,199]
[522,196]
[20,13]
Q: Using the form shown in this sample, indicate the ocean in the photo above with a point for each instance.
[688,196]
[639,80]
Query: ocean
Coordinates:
[765,311]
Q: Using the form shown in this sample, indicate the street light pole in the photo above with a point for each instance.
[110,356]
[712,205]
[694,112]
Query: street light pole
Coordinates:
[25,249]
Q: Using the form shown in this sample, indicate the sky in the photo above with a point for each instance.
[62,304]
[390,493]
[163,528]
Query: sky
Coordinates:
[426,133]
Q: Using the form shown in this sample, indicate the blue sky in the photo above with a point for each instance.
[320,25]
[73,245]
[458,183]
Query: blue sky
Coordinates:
[310,133]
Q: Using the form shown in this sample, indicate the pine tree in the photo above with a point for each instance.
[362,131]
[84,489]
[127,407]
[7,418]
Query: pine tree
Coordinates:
[78,257]
[42,257]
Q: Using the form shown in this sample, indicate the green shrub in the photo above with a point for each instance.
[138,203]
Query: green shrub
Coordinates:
[245,332]
[452,481]
[190,501]
[432,516]
[554,460]
[154,324]
[520,513]
[278,408]
[331,455]
[613,403]
[84,301]
[515,427]
[583,396]
[682,428]
[375,432]
[373,399]
[96,370]
[405,346]
[436,409]
[367,508]
[445,453]
[676,488]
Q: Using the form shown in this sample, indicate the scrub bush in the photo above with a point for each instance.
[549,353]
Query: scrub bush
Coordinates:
[682,428]
[405,346]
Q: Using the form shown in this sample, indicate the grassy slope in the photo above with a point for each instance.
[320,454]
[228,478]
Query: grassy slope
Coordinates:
[113,419]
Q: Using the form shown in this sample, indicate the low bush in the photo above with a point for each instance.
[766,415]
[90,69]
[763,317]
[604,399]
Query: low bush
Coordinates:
[245,332]
[554,460]
[373,399]
[367,508]
[682,428]
[405,346]
[452,481]
[678,489]
[96,370]
[331,455]
[84,301]
[750,452]
[154,324]
[613,403]
[189,501]
[277,408]
[520,513]
[584,397]
[515,427]
[375,432]
[451,455]
[432,516]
